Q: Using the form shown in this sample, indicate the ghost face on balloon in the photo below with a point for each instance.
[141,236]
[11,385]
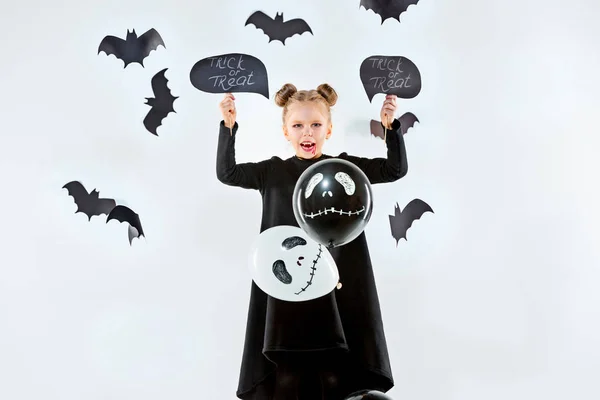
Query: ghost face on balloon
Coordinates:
[333,202]
[287,264]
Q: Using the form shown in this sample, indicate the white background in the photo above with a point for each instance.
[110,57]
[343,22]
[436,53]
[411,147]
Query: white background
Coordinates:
[494,296]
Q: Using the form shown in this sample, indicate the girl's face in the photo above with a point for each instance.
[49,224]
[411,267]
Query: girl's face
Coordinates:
[307,127]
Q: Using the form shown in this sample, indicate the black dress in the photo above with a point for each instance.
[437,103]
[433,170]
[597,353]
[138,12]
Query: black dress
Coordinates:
[342,331]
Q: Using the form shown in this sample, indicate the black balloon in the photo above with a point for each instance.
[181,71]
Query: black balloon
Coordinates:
[333,202]
[368,395]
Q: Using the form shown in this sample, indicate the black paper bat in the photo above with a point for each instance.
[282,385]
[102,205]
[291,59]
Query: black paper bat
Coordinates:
[407,121]
[88,203]
[126,214]
[133,49]
[161,103]
[275,28]
[387,8]
[402,220]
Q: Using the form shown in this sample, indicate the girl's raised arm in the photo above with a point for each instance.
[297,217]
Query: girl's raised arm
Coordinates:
[246,175]
[390,169]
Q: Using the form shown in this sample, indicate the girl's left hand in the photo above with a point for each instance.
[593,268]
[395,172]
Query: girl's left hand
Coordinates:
[388,110]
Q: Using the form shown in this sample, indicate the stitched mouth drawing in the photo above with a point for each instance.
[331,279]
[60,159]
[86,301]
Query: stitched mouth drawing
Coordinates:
[280,269]
[332,210]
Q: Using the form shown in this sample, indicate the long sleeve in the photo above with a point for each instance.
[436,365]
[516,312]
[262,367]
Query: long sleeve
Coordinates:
[390,169]
[246,175]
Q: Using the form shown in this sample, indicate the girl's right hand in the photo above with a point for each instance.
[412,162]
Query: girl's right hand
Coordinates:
[227,106]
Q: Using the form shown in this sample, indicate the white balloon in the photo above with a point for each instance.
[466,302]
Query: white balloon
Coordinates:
[287,264]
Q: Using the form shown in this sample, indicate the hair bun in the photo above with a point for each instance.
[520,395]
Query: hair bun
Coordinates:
[284,94]
[328,93]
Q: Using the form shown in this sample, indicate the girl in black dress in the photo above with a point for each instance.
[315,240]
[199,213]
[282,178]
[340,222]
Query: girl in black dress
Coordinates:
[330,347]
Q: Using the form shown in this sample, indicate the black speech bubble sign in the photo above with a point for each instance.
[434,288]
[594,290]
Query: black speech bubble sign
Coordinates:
[230,73]
[390,75]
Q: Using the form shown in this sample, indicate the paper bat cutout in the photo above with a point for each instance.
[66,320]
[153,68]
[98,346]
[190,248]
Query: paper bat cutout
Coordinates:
[387,8]
[161,103]
[126,214]
[407,121]
[89,203]
[275,28]
[402,220]
[133,49]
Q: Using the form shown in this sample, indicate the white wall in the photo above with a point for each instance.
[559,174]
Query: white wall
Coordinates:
[494,296]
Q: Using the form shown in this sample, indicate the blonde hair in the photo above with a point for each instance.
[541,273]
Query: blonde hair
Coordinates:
[289,95]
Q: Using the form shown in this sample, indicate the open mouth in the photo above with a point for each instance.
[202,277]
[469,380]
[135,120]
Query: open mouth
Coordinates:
[333,210]
[308,147]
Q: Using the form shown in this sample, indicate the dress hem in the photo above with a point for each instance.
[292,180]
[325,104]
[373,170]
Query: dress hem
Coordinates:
[240,393]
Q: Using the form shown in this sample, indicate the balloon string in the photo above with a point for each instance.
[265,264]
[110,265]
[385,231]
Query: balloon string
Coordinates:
[330,246]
